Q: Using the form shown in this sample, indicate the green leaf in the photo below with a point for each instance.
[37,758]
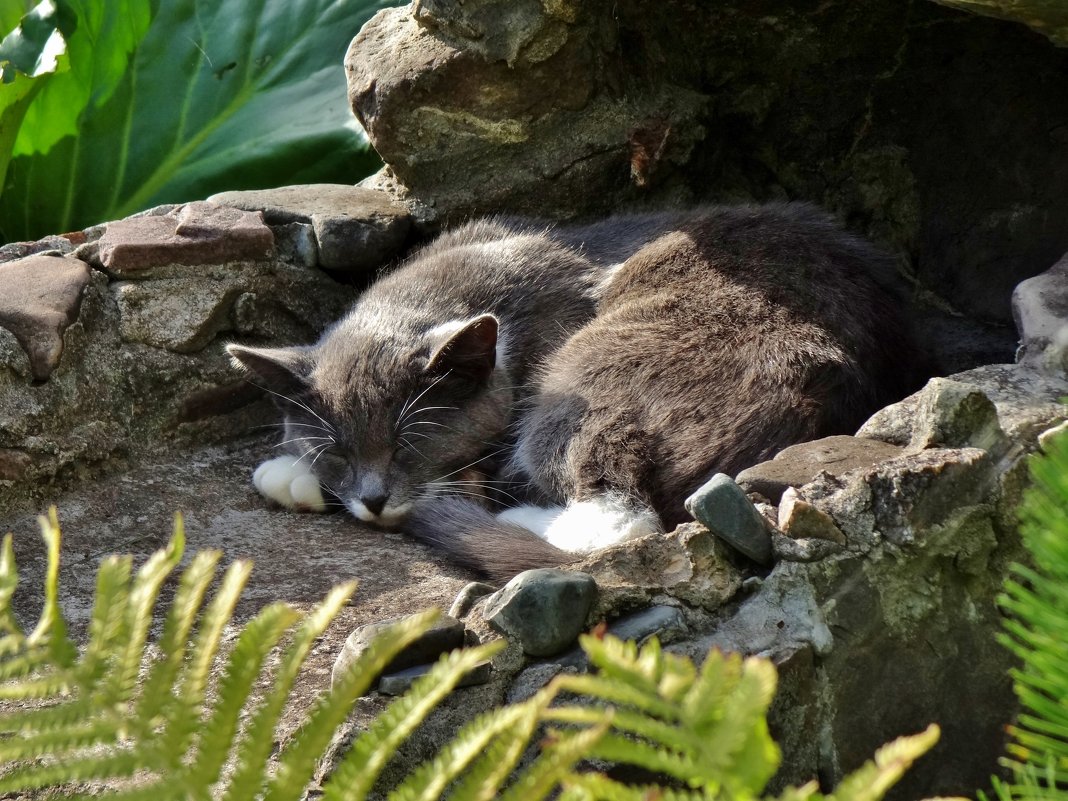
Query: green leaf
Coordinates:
[215,96]
[30,57]
[101,36]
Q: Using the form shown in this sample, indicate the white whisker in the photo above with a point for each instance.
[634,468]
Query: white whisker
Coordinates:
[410,404]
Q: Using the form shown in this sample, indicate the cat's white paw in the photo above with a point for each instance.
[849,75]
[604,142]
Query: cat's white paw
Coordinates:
[287,481]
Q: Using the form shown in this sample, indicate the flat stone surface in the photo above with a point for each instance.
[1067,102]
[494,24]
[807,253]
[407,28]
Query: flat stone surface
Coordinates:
[543,610]
[39,297]
[955,414]
[468,596]
[356,229]
[721,505]
[799,464]
[196,233]
[657,621]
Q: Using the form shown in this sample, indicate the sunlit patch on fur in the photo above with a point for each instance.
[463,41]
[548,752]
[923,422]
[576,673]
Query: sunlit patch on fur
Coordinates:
[598,523]
[287,481]
[535,518]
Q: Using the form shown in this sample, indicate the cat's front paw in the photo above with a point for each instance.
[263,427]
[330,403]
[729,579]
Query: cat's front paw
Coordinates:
[287,481]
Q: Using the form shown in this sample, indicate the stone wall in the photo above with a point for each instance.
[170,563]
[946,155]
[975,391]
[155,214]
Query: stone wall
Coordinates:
[937,132]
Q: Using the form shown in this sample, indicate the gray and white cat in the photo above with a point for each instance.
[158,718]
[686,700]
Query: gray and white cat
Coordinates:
[591,376]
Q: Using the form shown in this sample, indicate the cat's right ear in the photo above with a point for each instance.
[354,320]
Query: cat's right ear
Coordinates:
[283,370]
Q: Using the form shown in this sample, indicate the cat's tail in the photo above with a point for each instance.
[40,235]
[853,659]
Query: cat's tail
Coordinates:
[473,537]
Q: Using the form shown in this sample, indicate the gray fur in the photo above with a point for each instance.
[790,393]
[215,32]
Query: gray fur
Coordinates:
[726,334]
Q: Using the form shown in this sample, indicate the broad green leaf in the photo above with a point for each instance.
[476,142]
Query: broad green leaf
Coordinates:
[101,35]
[32,52]
[217,96]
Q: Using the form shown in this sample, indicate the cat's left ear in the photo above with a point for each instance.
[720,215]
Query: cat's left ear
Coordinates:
[283,370]
[469,348]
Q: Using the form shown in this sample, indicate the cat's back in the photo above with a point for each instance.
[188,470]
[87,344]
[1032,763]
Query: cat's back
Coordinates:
[736,333]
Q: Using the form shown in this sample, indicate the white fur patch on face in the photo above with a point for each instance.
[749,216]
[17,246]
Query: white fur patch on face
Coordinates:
[606,520]
[287,481]
[534,518]
[391,515]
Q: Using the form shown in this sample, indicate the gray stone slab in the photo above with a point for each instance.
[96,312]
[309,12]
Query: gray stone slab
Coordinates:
[356,229]
[799,464]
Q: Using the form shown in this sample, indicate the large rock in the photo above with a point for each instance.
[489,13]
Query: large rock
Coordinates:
[355,229]
[544,611]
[489,106]
[799,464]
[1025,399]
[195,233]
[722,506]
[39,298]
[1048,17]
[1040,309]
[564,109]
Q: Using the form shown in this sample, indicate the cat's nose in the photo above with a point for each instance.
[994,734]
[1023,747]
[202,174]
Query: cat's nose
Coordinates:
[374,503]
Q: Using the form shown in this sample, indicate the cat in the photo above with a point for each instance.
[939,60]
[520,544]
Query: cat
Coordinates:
[590,376]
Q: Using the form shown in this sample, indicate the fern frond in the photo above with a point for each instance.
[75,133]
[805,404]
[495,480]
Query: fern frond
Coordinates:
[706,729]
[51,629]
[430,779]
[181,616]
[183,720]
[1037,600]
[257,639]
[9,579]
[250,771]
[69,771]
[630,722]
[871,781]
[296,763]
[357,773]
[483,780]
[142,601]
[616,692]
[554,764]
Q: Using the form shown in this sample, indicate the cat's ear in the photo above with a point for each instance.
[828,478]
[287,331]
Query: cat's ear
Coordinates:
[281,369]
[468,347]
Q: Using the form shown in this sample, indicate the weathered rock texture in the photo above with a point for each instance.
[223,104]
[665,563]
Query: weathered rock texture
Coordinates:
[120,351]
[938,132]
[878,607]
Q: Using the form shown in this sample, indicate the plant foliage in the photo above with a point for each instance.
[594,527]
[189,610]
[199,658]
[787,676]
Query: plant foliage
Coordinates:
[110,106]
[183,720]
[1037,632]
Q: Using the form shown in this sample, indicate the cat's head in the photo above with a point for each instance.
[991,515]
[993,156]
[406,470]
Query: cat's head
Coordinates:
[384,419]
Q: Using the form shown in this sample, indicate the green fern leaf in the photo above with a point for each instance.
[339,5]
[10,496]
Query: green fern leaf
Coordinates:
[483,780]
[257,639]
[296,764]
[9,579]
[553,766]
[184,719]
[188,599]
[429,780]
[51,629]
[665,734]
[871,781]
[357,773]
[250,772]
